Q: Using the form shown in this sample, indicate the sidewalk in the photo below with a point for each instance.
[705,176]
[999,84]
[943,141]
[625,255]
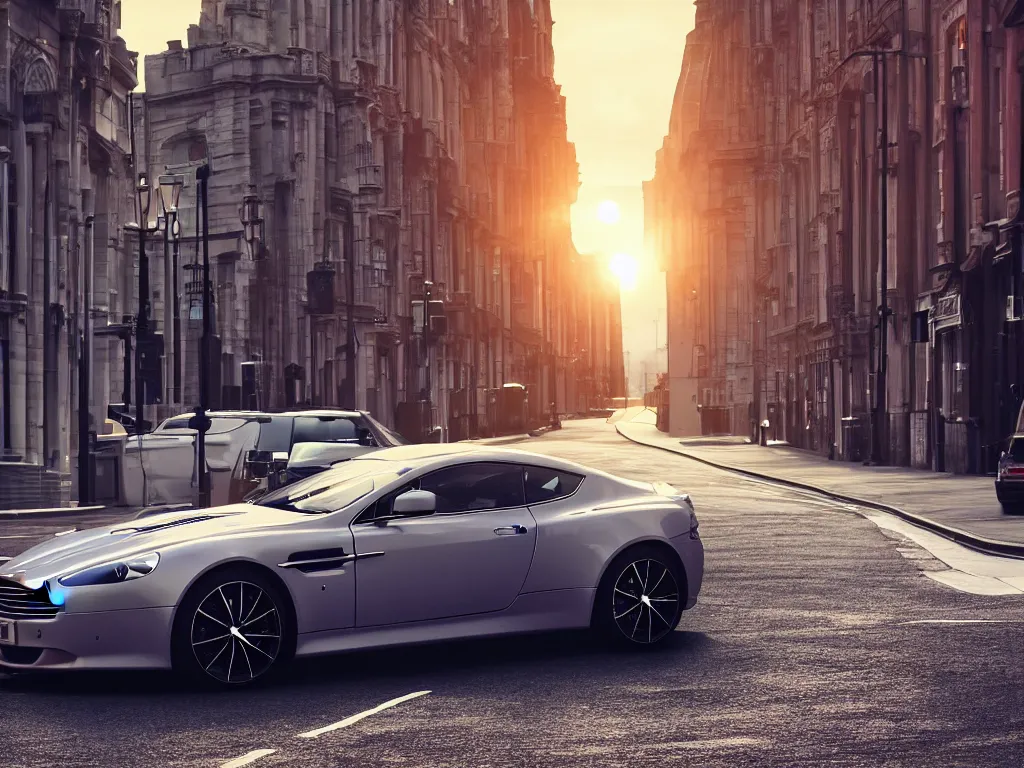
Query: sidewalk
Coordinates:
[963,508]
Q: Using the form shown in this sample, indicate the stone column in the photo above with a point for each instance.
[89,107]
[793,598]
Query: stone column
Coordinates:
[19,330]
[36,316]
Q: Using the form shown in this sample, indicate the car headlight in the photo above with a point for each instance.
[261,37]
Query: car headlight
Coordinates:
[112,573]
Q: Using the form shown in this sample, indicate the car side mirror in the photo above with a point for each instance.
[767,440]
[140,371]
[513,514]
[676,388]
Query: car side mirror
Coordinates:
[415,504]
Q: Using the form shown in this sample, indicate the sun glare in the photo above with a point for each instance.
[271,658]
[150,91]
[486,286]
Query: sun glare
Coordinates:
[625,268]
[608,212]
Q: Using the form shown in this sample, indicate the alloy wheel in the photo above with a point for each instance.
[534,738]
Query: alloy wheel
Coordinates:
[236,632]
[645,601]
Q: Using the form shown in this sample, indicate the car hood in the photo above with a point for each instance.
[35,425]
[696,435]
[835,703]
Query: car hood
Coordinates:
[72,551]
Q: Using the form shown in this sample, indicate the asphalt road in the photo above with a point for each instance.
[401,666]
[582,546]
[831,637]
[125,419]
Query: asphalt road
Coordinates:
[814,643]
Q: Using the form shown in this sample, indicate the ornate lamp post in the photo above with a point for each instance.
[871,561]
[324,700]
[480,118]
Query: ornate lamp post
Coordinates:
[170,194]
[142,330]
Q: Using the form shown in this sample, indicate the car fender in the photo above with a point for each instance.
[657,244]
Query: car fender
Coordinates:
[576,540]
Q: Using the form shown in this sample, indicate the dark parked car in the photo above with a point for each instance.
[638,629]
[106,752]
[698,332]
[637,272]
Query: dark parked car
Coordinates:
[1010,478]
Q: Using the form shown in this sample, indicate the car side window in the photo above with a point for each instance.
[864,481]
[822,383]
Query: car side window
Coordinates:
[476,487]
[543,484]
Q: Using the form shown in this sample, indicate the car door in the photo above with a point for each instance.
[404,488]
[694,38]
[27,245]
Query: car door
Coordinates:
[471,556]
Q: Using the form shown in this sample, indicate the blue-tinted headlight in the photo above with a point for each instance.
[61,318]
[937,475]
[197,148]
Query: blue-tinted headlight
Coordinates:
[112,573]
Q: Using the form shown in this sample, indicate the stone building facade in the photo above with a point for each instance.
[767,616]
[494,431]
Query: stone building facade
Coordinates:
[869,156]
[392,144]
[66,177]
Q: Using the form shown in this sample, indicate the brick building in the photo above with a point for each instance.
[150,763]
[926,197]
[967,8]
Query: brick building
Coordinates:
[871,153]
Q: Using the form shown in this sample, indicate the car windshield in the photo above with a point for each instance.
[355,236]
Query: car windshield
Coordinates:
[335,489]
[389,434]
[218,425]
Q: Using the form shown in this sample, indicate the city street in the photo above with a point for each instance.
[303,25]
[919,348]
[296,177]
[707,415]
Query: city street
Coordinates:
[818,639]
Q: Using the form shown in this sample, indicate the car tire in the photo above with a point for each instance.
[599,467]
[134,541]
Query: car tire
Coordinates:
[640,599]
[212,651]
[1010,509]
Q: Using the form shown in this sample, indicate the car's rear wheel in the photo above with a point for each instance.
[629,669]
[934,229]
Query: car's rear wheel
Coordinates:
[640,599]
[233,628]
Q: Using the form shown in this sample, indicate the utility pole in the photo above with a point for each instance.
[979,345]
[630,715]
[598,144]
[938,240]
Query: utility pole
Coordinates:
[200,422]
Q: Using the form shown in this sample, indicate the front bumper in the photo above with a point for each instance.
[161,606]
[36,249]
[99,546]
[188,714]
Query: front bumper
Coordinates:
[1010,491]
[691,552]
[130,639]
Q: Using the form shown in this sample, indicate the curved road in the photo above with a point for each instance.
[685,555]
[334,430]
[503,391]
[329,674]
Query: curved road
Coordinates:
[818,640]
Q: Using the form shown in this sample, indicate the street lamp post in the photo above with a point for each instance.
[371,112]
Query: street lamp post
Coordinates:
[254,235]
[142,329]
[170,193]
[200,422]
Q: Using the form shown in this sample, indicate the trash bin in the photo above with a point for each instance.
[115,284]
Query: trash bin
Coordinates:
[853,448]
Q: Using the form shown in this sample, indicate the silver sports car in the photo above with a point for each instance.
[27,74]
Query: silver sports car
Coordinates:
[405,545]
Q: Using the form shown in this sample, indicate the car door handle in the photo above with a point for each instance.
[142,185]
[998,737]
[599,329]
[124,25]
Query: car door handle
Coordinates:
[510,530]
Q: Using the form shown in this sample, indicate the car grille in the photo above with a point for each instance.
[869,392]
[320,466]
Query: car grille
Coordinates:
[18,602]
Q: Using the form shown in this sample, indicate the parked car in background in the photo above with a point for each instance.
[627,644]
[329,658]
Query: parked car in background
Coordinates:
[240,448]
[1010,476]
[305,460]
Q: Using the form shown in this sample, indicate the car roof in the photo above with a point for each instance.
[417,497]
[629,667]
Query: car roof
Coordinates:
[264,414]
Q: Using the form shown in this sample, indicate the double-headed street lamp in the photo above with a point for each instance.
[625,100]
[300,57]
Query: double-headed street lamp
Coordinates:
[170,194]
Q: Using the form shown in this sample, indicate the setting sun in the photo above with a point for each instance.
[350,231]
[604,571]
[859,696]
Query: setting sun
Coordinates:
[608,212]
[625,268]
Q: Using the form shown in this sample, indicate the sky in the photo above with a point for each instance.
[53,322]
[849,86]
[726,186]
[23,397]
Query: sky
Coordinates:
[618,69]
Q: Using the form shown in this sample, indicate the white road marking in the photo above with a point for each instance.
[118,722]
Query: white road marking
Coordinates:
[252,757]
[356,718]
[960,621]
[21,536]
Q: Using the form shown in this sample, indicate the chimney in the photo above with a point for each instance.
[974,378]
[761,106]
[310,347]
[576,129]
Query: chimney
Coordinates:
[174,45]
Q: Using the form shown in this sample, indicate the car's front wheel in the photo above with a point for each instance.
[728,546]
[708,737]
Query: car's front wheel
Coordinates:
[640,599]
[233,628]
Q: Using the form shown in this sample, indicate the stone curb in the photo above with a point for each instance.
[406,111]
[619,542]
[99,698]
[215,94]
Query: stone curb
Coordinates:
[970,540]
[508,440]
